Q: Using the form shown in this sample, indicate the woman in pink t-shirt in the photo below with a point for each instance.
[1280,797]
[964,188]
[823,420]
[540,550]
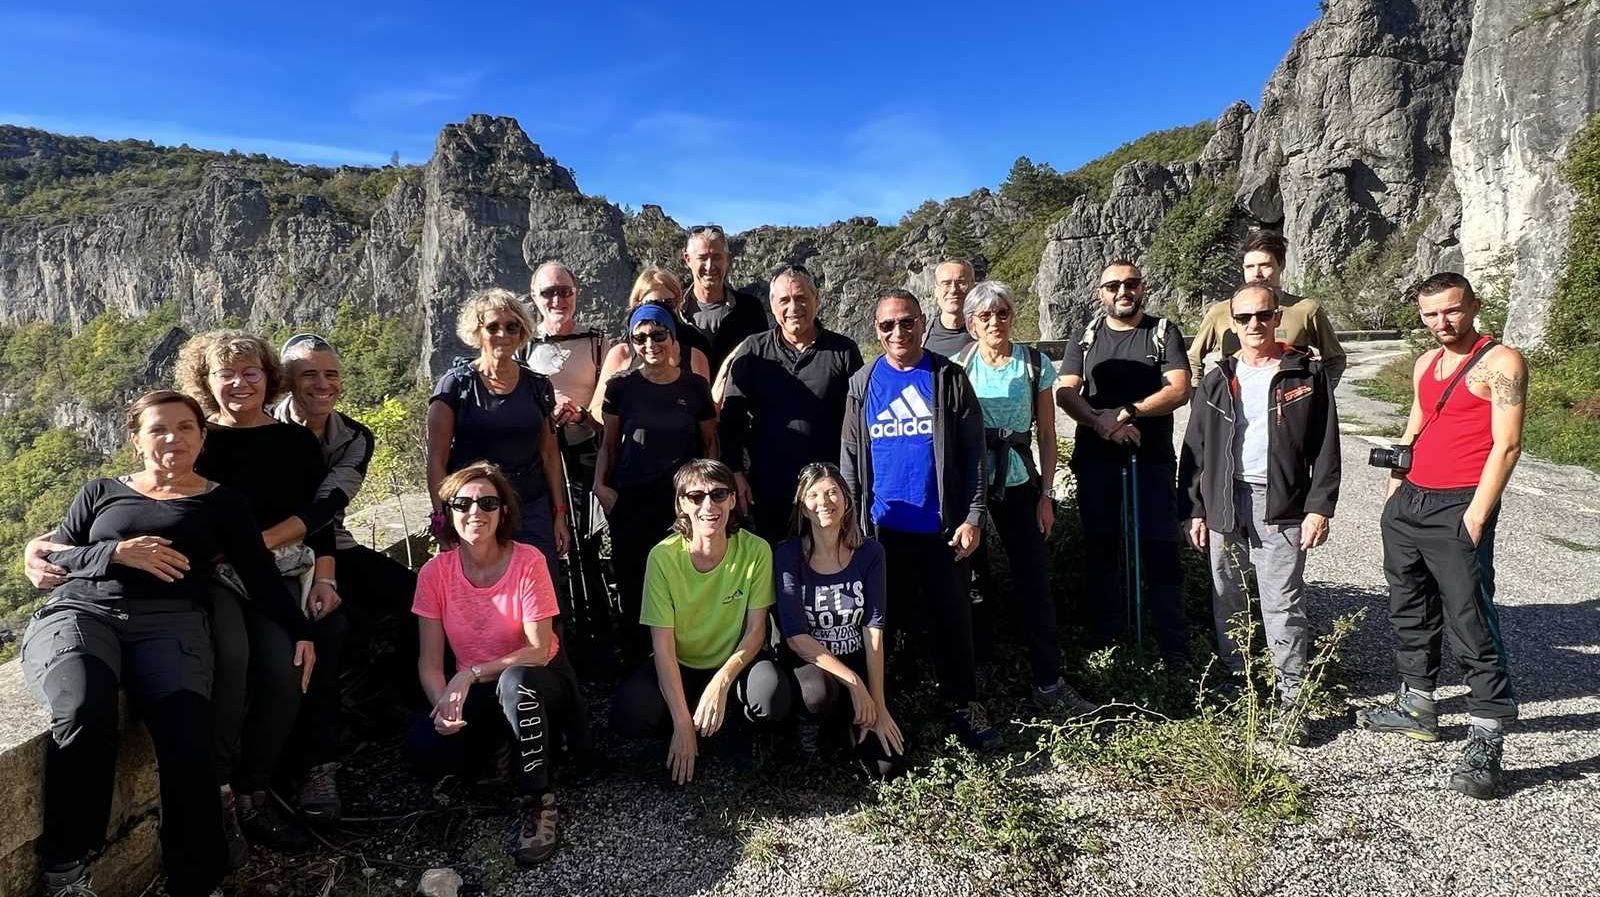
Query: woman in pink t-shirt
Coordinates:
[491,600]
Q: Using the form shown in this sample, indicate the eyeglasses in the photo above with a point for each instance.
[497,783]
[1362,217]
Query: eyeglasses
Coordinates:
[695,496]
[561,290]
[1265,316]
[248,375]
[908,324]
[1131,284]
[316,342]
[464,503]
[649,336]
[1000,314]
[707,229]
[511,328]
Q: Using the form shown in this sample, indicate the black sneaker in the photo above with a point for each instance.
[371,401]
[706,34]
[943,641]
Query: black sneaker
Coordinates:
[319,793]
[1479,774]
[1409,714]
[264,822]
[538,830]
[808,732]
[971,725]
[1061,696]
[72,882]
[232,834]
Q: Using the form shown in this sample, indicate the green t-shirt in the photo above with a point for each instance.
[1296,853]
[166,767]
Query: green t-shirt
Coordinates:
[706,610]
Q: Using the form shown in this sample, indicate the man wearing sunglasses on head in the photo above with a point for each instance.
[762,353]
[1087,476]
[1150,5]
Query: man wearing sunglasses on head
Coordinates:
[912,456]
[725,315]
[1259,478]
[1121,380]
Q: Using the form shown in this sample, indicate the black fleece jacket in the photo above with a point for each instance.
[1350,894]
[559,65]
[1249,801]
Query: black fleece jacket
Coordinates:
[958,447]
[1302,445]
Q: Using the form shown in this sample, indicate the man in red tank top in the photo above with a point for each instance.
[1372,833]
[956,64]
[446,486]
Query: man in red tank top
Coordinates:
[1438,530]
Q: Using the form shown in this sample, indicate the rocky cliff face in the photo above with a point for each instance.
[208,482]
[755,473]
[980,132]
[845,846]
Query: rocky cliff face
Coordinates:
[1531,82]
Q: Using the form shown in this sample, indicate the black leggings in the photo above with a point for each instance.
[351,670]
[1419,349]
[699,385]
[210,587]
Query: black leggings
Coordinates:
[75,656]
[641,517]
[527,705]
[761,694]
[1016,518]
[824,700]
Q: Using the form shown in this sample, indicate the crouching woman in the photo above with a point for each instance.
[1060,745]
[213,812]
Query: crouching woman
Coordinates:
[491,600]
[708,588]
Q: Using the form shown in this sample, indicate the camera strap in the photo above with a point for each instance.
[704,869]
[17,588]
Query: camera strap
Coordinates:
[1450,387]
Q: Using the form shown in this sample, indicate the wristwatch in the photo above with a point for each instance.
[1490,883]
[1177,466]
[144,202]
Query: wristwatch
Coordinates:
[1132,411]
[477,674]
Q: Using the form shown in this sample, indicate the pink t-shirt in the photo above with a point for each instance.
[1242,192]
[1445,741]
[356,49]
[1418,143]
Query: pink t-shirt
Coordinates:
[486,624]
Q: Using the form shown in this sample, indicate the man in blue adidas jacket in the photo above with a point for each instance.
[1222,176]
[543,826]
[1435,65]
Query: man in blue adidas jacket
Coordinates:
[912,456]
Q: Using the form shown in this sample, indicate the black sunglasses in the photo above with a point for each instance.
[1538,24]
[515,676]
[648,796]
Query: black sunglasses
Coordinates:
[706,228]
[561,290]
[649,336]
[1265,316]
[1001,314]
[464,503]
[512,328]
[695,496]
[1131,284]
[907,324]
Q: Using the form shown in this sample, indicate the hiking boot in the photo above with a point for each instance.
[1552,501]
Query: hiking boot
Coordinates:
[539,833]
[970,724]
[1409,714]
[264,822]
[232,835]
[1478,774]
[73,882]
[808,732]
[319,793]
[1061,696]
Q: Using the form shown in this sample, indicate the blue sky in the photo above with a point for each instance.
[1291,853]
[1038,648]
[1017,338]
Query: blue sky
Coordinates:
[735,113]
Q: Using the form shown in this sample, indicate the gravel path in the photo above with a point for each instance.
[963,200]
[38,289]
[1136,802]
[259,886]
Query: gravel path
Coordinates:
[1385,821]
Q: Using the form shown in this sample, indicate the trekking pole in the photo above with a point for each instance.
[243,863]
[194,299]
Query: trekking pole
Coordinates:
[578,585]
[1138,558]
[1127,552]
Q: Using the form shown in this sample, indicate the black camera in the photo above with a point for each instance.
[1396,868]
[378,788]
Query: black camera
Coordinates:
[1396,458]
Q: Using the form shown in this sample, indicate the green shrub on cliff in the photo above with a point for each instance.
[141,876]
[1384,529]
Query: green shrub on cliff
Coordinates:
[1193,251]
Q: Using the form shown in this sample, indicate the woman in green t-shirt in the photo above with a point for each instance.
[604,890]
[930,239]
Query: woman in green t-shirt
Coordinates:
[708,587]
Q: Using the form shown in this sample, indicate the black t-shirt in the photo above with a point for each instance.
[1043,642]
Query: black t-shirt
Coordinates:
[786,408]
[945,341]
[214,523]
[726,324]
[279,470]
[660,424]
[504,429]
[1122,367]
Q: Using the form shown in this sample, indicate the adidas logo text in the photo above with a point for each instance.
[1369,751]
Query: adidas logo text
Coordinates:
[907,415]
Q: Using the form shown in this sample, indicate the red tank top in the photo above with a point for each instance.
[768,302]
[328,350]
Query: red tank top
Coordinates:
[1454,445]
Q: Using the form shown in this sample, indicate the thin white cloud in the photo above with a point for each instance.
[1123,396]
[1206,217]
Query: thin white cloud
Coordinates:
[382,102]
[174,134]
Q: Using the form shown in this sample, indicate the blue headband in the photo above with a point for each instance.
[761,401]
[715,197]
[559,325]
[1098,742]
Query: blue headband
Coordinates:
[659,314]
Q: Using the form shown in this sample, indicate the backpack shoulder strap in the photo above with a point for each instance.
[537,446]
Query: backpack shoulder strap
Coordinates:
[964,355]
[1158,335]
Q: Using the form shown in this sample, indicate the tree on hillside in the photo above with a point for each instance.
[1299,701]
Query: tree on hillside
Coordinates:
[1038,187]
[959,241]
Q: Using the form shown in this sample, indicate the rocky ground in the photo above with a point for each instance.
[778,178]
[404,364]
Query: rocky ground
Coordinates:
[1383,820]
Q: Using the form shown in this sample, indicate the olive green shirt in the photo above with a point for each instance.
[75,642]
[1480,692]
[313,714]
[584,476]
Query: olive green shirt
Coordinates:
[1304,324]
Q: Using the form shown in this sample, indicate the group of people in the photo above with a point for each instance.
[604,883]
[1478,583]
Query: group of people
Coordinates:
[789,526]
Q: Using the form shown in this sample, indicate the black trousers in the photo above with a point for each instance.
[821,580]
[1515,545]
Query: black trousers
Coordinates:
[75,656]
[762,694]
[1100,503]
[1439,582]
[258,699]
[824,700]
[1016,519]
[377,591]
[928,594]
[527,706]
[641,517]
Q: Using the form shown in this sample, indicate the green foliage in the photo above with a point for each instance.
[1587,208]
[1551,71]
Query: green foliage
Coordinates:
[399,431]
[36,484]
[1180,144]
[959,241]
[97,367]
[1040,189]
[1366,293]
[1575,312]
[1193,251]
[379,354]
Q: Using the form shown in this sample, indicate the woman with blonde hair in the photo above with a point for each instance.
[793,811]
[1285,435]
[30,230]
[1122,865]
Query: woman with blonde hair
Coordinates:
[830,585]
[491,601]
[657,285]
[493,409]
[262,660]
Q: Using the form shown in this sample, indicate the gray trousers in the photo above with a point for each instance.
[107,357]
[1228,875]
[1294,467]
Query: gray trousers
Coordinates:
[1274,552]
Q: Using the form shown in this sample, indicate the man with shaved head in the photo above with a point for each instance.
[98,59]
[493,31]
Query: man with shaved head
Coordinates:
[725,315]
[1258,480]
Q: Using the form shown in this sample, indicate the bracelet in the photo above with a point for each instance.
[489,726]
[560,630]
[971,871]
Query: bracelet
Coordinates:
[559,509]
[331,583]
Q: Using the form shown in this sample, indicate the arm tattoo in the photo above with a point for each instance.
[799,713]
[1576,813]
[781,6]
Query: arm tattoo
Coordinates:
[1508,390]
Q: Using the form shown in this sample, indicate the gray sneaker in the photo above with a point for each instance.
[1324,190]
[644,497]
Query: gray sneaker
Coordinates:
[1409,714]
[1479,774]
[1061,696]
[319,793]
[72,882]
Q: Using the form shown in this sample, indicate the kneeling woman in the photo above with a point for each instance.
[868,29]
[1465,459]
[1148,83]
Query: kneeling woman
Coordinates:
[133,612]
[830,606]
[491,600]
[707,590]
